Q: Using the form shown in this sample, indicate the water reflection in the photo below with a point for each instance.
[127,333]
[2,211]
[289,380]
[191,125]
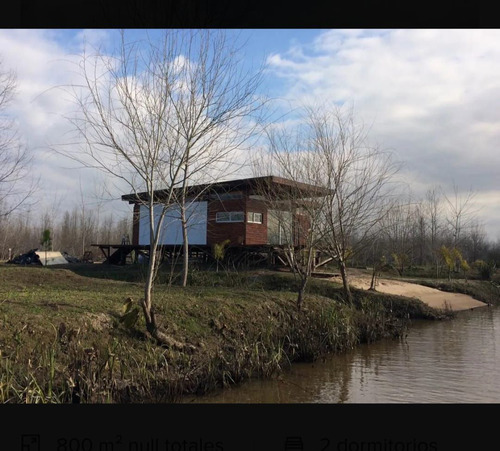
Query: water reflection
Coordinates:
[438,362]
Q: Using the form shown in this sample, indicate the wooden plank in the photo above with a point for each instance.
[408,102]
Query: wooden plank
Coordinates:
[324,262]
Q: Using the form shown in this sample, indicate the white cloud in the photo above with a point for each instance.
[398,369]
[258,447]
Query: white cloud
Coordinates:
[430,95]
[45,62]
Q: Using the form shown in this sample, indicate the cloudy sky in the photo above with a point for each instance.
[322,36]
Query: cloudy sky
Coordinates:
[430,96]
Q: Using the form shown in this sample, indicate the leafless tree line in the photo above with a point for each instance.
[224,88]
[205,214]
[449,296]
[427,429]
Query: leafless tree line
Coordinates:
[415,230]
[73,231]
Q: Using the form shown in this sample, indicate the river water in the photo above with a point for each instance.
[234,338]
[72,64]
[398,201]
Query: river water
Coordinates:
[452,361]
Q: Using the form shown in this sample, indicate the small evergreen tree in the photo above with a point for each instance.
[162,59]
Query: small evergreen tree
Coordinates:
[46,242]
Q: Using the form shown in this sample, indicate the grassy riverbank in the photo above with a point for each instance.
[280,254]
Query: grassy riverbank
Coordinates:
[61,338]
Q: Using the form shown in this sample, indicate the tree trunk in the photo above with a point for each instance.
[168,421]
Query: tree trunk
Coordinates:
[151,326]
[148,310]
[185,259]
[147,302]
[345,281]
[300,294]
[374,278]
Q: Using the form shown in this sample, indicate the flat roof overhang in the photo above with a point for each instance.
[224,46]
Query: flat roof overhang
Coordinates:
[277,186]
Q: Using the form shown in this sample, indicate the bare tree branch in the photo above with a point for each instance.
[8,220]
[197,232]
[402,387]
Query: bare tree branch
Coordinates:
[16,183]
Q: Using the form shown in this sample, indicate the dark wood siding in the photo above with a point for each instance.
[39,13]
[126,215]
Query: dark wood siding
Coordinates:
[219,232]
[256,233]
[240,233]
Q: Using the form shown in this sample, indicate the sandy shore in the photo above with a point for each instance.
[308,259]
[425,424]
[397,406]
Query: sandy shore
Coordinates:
[431,296]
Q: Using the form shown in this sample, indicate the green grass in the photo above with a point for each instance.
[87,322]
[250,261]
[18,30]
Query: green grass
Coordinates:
[61,338]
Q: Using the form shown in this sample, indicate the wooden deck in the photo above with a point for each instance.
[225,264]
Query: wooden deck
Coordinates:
[118,254]
[270,255]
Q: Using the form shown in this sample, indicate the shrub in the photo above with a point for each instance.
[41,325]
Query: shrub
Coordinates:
[485,269]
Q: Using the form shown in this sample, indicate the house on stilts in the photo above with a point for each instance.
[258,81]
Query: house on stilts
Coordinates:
[236,212]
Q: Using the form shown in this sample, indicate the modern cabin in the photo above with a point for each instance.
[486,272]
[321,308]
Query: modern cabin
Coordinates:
[236,210]
[256,217]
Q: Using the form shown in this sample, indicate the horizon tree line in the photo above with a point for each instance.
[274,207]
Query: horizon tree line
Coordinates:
[72,231]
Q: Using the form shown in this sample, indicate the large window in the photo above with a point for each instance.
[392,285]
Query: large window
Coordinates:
[254,218]
[229,216]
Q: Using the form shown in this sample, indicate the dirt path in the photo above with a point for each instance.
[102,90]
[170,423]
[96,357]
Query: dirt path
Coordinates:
[431,296]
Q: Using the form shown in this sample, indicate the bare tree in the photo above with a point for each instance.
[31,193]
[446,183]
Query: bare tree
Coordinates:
[330,151]
[397,228]
[476,240]
[459,217]
[16,184]
[420,229]
[357,178]
[295,206]
[158,115]
[210,120]
[432,207]
[19,232]
[460,213]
